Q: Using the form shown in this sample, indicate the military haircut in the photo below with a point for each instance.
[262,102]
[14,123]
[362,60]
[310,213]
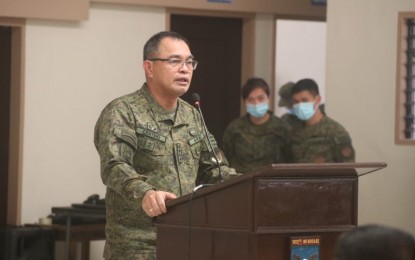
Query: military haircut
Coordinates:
[306,85]
[375,242]
[252,84]
[152,45]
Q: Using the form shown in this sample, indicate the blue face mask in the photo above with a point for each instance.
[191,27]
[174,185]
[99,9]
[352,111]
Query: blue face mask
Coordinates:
[258,110]
[304,110]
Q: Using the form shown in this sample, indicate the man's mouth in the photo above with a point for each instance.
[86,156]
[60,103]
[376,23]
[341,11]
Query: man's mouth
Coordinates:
[183,80]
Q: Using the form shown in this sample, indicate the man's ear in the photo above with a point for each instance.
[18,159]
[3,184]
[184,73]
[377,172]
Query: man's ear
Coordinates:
[148,68]
[317,102]
[318,99]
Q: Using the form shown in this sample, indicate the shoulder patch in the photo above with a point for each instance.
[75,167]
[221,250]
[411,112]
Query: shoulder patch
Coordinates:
[126,135]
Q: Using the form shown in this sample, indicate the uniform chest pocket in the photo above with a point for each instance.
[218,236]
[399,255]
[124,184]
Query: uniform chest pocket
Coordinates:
[197,145]
[318,141]
[321,147]
[151,142]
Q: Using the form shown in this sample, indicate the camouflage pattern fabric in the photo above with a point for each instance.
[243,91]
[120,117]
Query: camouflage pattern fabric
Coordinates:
[248,146]
[290,118]
[143,147]
[325,142]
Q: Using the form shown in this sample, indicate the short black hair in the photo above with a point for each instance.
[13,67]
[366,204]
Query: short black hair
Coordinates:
[375,242]
[152,45]
[306,84]
[253,83]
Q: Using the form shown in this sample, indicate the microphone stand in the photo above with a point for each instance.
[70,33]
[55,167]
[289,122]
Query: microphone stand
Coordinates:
[197,103]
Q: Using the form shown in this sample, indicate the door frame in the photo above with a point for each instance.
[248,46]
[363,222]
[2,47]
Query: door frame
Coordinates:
[248,37]
[14,185]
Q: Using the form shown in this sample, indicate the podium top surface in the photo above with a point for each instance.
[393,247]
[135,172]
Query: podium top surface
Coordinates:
[361,168]
[298,170]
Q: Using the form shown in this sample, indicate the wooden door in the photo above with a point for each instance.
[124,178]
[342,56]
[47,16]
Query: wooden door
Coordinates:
[216,43]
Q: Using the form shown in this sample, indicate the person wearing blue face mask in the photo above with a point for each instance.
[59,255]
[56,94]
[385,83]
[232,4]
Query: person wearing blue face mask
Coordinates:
[316,138]
[259,137]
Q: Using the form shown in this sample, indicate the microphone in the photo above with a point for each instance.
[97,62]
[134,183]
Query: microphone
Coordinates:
[196,101]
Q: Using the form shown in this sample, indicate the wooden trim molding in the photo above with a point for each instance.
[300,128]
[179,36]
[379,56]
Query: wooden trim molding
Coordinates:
[14,185]
[299,8]
[74,10]
[400,79]
[78,10]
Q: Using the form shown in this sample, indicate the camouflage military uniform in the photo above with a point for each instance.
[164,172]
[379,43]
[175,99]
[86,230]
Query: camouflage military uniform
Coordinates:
[143,147]
[290,118]
[326,141]
[248,146]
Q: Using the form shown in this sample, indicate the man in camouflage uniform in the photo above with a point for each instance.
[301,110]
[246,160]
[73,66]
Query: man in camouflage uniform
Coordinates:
[286,101]
[316,138]
[153,148]
[258,138]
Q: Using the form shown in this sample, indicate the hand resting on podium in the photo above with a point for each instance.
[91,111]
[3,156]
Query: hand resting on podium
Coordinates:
[154,202]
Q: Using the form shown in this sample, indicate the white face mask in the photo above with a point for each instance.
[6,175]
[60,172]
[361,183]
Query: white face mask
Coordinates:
[258,110]
[304,110]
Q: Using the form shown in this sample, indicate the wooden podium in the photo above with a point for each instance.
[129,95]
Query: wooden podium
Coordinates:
[258,215]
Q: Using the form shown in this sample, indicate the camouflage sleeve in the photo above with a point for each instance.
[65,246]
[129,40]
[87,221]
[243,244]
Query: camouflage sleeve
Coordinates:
[228,143]
[209,166]
[285,156]
[344,151]
[116,143]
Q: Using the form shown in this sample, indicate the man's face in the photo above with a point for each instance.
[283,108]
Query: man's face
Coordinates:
[257,96]
[166,78]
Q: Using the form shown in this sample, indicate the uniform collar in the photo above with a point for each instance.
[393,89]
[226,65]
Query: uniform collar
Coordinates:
[160,114]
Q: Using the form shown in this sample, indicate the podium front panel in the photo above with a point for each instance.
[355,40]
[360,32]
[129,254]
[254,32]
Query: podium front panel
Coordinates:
[286,203]
[204,244]
[228,208]
[257,216]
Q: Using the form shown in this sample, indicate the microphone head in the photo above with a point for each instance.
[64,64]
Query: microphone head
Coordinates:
[196,99]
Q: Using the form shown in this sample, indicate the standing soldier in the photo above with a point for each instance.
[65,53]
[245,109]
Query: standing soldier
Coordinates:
[153,148]
[258,138]
[316,138]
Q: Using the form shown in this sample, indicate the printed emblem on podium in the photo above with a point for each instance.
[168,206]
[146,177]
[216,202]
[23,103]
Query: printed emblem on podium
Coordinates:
[305,248]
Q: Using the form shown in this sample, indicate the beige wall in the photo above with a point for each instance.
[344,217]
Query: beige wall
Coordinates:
[360,91]
[264,48]
[72,71]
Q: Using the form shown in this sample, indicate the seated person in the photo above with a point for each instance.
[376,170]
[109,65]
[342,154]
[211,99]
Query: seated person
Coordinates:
[316,138]
[375,242]
[258,138]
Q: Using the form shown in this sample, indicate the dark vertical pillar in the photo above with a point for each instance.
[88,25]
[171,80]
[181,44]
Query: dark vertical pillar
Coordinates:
[5,79]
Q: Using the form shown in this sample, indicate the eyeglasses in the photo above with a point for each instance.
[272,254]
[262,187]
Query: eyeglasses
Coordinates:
[178,63]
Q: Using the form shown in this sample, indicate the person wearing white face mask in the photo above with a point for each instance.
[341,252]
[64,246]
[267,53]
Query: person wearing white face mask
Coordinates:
[316,138]
[259,137]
